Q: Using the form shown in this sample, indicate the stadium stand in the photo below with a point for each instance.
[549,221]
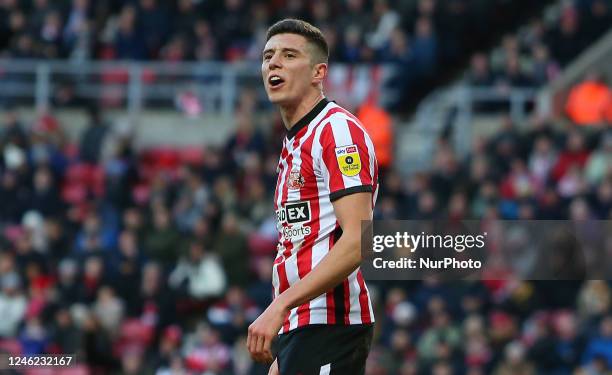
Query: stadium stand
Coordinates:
[156,261]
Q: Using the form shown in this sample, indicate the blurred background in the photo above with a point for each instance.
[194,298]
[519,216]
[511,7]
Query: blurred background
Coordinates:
[138,163]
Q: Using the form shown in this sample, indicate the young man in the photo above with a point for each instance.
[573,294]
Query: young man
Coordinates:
[327,184]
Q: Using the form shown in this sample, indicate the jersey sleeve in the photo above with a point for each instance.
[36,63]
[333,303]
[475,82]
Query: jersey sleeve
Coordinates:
[347,156]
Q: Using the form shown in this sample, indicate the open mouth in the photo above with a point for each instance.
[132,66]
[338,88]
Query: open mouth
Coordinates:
[275,81]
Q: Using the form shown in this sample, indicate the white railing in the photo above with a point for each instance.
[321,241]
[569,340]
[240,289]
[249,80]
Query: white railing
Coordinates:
[135,86]
[456,108]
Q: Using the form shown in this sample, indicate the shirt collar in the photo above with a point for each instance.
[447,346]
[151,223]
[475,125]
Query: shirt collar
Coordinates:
[304,121]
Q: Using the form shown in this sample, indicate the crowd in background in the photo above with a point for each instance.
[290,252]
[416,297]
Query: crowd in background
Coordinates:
[535,55]
[158,261]
[358,30]
[425,39]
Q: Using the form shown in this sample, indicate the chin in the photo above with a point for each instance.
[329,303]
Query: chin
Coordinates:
[278,98]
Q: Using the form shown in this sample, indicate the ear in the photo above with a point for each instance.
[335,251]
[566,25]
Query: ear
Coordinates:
[319,73]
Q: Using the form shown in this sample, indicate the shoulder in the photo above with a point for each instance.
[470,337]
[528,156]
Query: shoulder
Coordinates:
[341,127]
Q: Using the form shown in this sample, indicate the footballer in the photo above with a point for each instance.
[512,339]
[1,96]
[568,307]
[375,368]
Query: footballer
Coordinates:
[321,317]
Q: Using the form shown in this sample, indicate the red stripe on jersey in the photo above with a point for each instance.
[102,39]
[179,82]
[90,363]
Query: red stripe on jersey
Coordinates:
[304,255]
[282,272]
[359,139]
[329,296]
[363,300]
[347,301]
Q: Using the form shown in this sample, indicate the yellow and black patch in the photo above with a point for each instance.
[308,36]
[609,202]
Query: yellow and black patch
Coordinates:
[348,160]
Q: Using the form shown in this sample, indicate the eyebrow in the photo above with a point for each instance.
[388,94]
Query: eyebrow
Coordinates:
[285,49]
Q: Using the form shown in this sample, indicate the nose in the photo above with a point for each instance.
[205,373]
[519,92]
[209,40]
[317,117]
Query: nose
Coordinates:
[274,62]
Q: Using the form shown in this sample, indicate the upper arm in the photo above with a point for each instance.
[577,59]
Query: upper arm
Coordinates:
[351,210]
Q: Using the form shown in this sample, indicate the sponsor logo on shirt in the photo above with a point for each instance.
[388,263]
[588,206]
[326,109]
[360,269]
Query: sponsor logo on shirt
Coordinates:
[348,160]
[294,213]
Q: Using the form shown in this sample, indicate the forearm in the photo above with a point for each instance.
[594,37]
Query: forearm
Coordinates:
[342,260]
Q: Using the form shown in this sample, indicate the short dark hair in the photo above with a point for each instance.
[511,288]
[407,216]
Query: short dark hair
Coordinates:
[313,35]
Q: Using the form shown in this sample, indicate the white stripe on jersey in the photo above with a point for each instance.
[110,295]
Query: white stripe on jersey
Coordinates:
[342,136]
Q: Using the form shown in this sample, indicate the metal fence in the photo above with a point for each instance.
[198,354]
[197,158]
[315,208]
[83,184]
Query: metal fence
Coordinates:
[137,86]
[452,111]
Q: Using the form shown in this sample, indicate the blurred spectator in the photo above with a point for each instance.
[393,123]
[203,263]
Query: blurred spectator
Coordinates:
[425,46]
[354,16]
[247,139]
[515,362]
[199,273]
[205,43]
[231,28]
[155,302]
[93,137]
[232,316]
[479,74]
[594,299]
[129,42]
[192,199]
[599,164]
[205,352]
[575,155]
[162,239]
[93,279]
[601,346]
[34,337]
[77,24]
[97,345]
[569,344]
[154,23]
[512,76]
[542,160]
[587,101]
[169,348]
[12,130]
[12,304]
[566,40]
[96,235]
[597,19]
[387,21]
[45,197]
[259,290]
[65,334]
[231,245]
[50,35]
[398,50]
[439,341]
[544,67]
[109,310]
[377,122]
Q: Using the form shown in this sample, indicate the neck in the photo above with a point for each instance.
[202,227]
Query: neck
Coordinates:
[293,113]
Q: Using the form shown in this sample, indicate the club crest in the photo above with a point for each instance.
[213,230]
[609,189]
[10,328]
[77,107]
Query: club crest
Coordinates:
[295,180]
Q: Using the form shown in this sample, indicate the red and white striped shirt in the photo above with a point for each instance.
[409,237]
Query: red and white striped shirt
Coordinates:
[325,156]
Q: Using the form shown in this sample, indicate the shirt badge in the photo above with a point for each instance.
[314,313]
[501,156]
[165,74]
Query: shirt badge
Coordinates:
[348,160]
[296,180]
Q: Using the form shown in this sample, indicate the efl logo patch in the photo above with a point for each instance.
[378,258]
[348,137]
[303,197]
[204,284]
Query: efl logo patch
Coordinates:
[348,160]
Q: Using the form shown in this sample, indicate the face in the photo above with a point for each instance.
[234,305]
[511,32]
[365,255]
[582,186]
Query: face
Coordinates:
[287,69]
